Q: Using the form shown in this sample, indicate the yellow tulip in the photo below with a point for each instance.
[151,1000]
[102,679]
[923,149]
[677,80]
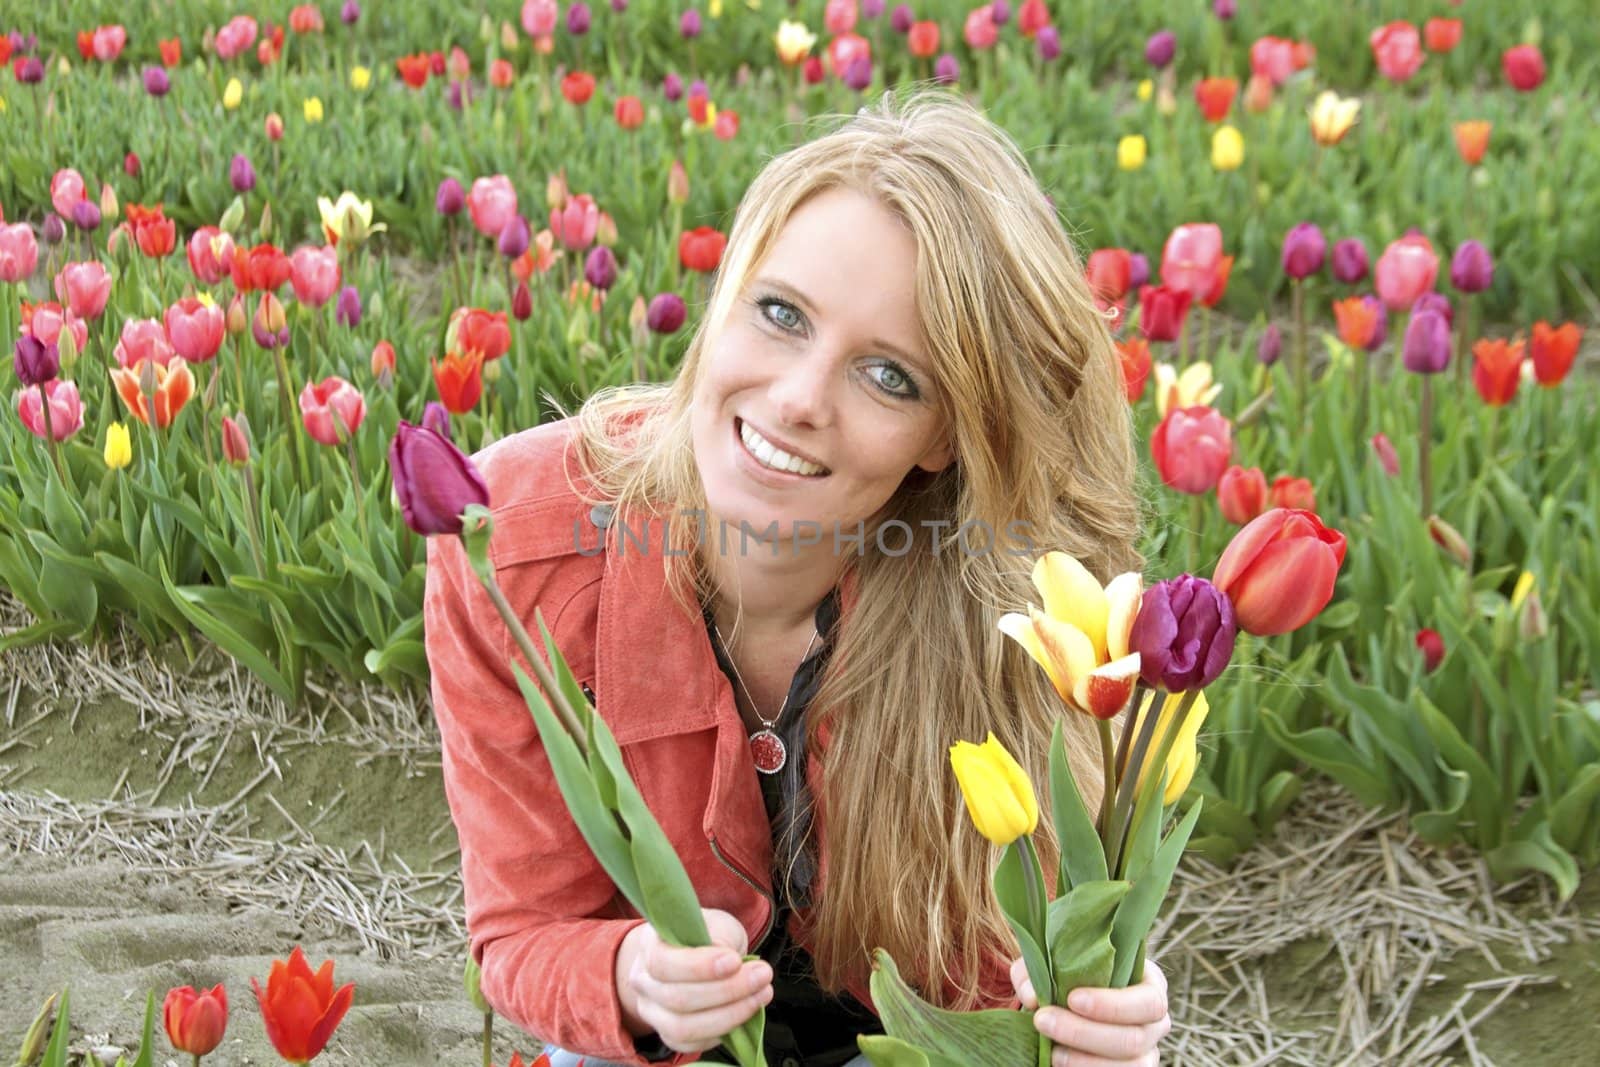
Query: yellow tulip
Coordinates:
[1332,116]
[1524,586]
[349,218]
[233,94]
[999,797]
[1227,148]
[2,105]
[715,8]
[119,449]
[360,78]
[1081,636]
[1147,89]
[1185,753]
[313,108]
[1131,151]
[1192,388]
[793,42]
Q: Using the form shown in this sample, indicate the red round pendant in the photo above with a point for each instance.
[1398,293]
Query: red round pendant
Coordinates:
[767,749]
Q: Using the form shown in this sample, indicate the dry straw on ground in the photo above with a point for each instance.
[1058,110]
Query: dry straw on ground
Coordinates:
[1389,909]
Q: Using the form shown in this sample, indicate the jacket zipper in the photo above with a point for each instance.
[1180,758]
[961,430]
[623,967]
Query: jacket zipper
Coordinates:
[772,911]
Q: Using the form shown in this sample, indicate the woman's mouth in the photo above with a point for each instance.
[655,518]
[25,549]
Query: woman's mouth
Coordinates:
[773,458]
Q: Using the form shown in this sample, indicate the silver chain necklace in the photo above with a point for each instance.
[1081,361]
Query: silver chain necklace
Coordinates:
[766,747]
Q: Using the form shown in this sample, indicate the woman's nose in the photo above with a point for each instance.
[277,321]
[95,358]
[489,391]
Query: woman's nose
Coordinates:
[802,394]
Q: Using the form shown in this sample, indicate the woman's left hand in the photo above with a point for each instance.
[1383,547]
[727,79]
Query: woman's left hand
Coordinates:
[1102,1027]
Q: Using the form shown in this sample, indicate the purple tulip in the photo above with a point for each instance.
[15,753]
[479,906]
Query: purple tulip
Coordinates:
[946,70]
[1349,261]
[459,95]
[1000,12]
[348,310]
[1224,9]
[600,268]
[871,9]
[1184,634]
[901,19]
[156,82]
[34,361]
[515,237]
[1138,271]
[689,24]
[522,303]
[666,313]
[1436,302]
[29,71]
[1471,269]
[54,230]
[1049,43]
[1380,332]
[619,6]
[578,19]
[1427,344]
[350,12]
[858,75]
[241,174]
[1270,346]
[86,215]
[433,481]
[436,417]
[450,199]
[672,88]
[699,88]
[1304,250]
[1160,48]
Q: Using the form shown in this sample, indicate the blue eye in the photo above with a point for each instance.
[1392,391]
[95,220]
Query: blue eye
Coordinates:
[895,381]
[780,314]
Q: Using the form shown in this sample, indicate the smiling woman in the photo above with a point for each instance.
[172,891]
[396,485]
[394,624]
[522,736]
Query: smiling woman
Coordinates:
[900,393]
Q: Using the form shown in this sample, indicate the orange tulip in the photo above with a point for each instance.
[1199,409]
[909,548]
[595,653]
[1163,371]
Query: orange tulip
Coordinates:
[1358,321]
[1279,571]
[413,69]
[1219,284]
[1553,351]
[1472,140]
[1134,353]
[475,329]
[1215,97]
[195,1021]
[578,87]
[1441,35]
[459,380]
[1290,492]
[1242,494]
[170,387]
[1497,370]
[300,1009]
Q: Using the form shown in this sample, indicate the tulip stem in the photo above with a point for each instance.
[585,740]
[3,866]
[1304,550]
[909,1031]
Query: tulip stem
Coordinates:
[488,1036]
[50,437]
[1144,721]
[1196,517]
[1425,443]
[1146,784]
[1302,396]
[1108,755]
[196,1059]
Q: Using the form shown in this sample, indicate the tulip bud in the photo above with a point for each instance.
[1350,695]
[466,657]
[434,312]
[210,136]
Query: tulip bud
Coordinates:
[672,87]
[639,323]
[1304,249]
[156,82]
[233,217]
[436,417]
[1431,645]
[1349,261]
[264,227]
[1049,43]
[130,165]
[68,345]
[677,184]
[349,12]
[54,230]
[109,209]
[667,313]
[236,440]
[383,363]
[85,215]
[241,175]
[36,362]
[273,125]
[1184,633]
[1387,457]
[1532,623]
[238,319]
[578,19]
[1427,343]
[605,231]
[433,481]
[1449,538]
[1471,269]
[514,237]
[999,797]
[600,269]
[450,199]
[270,327]
[689,24]
[1270,346]
[947,69]
[902,18]
[1160,48]
[348,310]
[522,303]
[33,1041]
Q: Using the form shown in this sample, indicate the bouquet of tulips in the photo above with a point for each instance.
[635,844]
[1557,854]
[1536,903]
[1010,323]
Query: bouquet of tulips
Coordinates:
[1107,650]
[441,492]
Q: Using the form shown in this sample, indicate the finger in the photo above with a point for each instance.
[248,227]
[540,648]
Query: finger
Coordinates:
[1023,985]
[1117,1043]
[726,930]
[1154,975]
[1134,1005]
[668,963]
[1070,1058]
[688,998]
[705,1029]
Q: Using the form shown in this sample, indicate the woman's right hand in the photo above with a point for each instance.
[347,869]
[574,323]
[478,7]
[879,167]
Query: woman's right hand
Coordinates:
[690,997]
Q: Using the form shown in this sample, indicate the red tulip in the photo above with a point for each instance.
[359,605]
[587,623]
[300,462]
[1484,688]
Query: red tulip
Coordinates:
[263,268]
[576,222]
[413,69]
[236,440]
[1242,494]
[1109,271]
[382,363]
[1279,571]
[1554,351]
[1272,58]
[331,410]
[153,232]
[1032,17]
[1431,645]
[923,39]
[1191,448]
[477,330]
[459,380]
[1472,140]
[1359,322]
[700,249]
[1497,370]
[1134,357]
[236,36]
[195,1021]
[1406,270]
[210,254]
[1397,49]
[1215,97]
[578,87]
[844,50]
[1161,312]
[171,51]
[630,112]
[1219,283]
[1294,493]
[46,319]
[1441,35]
[1524,67]
[300,1009]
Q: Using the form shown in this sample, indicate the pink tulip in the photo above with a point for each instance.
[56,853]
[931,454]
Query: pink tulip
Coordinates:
[19,252]
[839,16]
[1406,270]
[539,17]
[979,31]
[46,321]
[66,190]
[195,329]
[574,225]
[491,203]
[1397,49]
[332,409]
[143,339]
[210,254]
[1272,58]
[66,410]
[1191,259]
[108,42]
[314,273]
[236,37]
[84,287]
[1192,447]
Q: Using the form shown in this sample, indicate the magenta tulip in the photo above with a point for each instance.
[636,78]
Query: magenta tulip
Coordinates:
[1184,634]
[433,480]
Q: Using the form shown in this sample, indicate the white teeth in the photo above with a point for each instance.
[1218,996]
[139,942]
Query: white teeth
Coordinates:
[773,457]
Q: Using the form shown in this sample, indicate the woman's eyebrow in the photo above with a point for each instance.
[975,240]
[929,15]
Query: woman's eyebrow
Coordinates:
[806,305]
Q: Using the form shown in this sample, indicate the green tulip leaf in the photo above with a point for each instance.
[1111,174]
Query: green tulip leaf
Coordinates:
[66,593]
[1328,751]
[1274,798]
[147,1045]
[958,1038]
[241,637]
[1025,913]
[1370,709]
[55,1053]
[1143,902]
[1573,815]
[64,519]
[144,589]
[1483,783]
[881,1050]
[1081,952]
[1536,852]
[1083,855]
[1442,825]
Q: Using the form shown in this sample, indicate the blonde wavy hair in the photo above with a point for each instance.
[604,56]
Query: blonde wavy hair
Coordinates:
[1031,392]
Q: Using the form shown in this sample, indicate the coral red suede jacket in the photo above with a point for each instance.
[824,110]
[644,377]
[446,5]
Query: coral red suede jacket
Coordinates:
[544,920]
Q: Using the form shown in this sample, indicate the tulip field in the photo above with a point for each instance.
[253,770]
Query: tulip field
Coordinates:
[1349,254]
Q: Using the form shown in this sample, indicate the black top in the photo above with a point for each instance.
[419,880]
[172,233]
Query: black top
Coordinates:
[806,1026]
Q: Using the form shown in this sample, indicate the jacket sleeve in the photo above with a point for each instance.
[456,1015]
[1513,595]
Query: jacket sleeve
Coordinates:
[544,920]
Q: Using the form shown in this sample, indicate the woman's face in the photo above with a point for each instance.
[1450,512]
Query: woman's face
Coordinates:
[817,398]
